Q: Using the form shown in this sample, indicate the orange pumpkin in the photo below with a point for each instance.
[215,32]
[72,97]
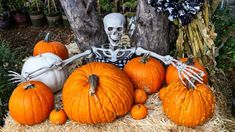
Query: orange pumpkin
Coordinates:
[140,96]
[31,103]
[54,47]
[97,92]
[172,73]
[57,116]
[188,106]
[161,93]
[139,111]
[145,73]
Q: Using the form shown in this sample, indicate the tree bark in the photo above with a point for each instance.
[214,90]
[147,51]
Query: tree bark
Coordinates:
[152,32]
[85,23]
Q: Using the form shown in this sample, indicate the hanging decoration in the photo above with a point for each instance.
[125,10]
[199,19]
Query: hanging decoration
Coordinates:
[184,10]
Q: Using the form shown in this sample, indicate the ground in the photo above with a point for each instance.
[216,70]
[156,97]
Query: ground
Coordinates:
[26,36]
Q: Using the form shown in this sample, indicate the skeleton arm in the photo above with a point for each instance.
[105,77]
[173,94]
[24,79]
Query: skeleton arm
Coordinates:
[189,72]
[75,57]
[16,78]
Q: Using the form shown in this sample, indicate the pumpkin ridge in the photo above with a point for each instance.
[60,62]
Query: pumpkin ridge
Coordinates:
[117,96]
[204,104]
[199,100]
[183,109]
[93,104]
[190,104]
[158,86]
[24,113]
[46,97]
[41,102]
[42,94]
[75,106]
[34,105]
[182,91]
[90,108]
[200,110]
[102,90]
[102,107]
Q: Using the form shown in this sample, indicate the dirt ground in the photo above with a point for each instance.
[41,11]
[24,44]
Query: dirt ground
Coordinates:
[27,36]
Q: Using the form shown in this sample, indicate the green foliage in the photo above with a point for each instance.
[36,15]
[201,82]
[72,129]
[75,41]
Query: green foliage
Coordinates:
[15,5]
[225,27]
[51,8]
[105,6]
[9,60]
[34,6]
[128,7]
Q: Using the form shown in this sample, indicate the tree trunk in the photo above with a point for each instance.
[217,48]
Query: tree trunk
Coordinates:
[152,32]
[85,23]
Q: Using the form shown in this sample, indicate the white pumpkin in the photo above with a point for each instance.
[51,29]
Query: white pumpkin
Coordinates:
[53,78]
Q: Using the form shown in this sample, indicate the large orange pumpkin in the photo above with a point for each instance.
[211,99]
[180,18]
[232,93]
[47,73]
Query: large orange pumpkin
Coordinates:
[97,92]
[172,73]
[54,47]
[188,106]
[145,73]
[31,103]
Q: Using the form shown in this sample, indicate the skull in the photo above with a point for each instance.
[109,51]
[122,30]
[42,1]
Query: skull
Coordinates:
[114,27]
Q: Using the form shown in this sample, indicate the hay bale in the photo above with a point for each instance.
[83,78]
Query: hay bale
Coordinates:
[155,121]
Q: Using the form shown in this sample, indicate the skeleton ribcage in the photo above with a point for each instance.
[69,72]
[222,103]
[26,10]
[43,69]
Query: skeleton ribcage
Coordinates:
[120,63]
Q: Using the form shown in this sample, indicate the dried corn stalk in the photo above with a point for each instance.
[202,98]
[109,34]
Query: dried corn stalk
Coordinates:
[197,38]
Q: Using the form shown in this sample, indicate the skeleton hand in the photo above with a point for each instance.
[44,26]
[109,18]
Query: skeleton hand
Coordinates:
[190,73]
[17,78]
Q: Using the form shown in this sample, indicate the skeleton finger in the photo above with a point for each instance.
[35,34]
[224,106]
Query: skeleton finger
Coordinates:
[194,73]
[181,78]
[15,78]
[196,69]
[191,83]
[17,81]
[12,74]
[194,76]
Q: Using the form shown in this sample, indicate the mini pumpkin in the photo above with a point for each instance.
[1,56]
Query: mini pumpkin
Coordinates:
[97,92]
[139,111]
[140,96]
[54,47]
[57,116]
[145,73]
[172,73]
[31,103]
[188,106]
[54,79]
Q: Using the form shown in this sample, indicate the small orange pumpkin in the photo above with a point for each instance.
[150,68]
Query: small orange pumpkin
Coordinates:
[139,111]
[172,73]
[188,106]
[31,103]
[161,93]
[97,92]
[57,116]
[140,96]
[54,47]
[145,73]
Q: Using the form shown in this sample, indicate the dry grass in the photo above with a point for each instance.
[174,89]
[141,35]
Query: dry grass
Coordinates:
[155,121]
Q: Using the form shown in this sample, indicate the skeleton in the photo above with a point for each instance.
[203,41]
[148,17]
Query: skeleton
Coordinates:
[117,54]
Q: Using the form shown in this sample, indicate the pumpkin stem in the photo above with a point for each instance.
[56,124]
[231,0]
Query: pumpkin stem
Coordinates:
[47,38]
[29,86]
[190,61]
[144,59]
[93,81]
